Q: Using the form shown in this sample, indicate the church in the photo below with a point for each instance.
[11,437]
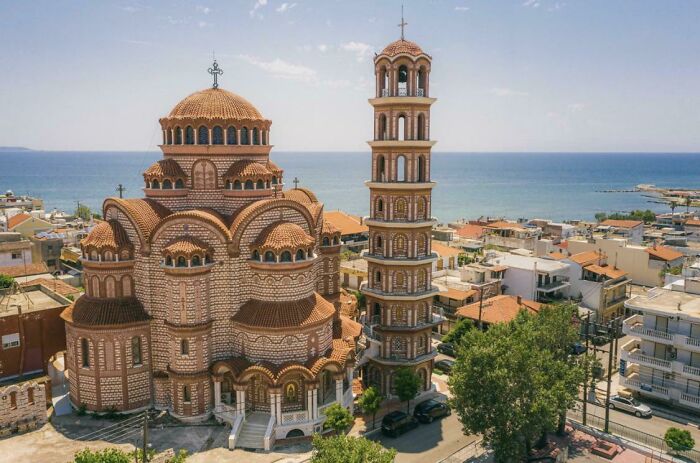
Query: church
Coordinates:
[218,292]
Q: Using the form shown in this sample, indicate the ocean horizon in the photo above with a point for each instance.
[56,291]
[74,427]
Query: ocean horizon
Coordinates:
[549,185]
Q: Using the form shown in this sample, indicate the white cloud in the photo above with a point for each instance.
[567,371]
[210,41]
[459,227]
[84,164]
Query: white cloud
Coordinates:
[203,9]
[254,11]
[576,107]
[461,8]
[176,21]
[131,8]
[282,69]
[361,50]
[532,3]
[284,7]
[322,48]
[203,24]
[504,91]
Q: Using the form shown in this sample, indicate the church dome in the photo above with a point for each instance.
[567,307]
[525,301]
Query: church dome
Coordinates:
[215,103]
[402,46]
[283,235]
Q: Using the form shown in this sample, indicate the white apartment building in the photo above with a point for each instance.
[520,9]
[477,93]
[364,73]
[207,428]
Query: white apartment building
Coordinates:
[511,235]
[632,230]
[663,359]
[533,278]
[14,251]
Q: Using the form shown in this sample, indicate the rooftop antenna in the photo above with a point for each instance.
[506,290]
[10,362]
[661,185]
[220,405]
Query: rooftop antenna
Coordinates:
[403,23]
[215,71]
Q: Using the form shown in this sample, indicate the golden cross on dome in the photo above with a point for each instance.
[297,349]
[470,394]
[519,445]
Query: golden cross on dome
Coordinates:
[403,23]
[216,71]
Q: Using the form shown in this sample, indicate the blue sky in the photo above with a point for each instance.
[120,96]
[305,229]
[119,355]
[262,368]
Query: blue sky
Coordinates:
[521,75]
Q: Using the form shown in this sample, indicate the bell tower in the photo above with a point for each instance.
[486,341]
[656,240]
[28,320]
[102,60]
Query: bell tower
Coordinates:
[398,290]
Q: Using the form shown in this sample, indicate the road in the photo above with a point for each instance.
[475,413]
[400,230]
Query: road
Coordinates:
[428,442]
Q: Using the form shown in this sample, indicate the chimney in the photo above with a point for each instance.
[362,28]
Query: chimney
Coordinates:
[520,300]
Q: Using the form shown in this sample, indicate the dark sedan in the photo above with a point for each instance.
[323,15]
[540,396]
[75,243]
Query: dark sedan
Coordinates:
[445,366]
[427,411]
[446,348]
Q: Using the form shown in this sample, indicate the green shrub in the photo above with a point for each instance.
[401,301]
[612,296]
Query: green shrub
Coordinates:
[679,440]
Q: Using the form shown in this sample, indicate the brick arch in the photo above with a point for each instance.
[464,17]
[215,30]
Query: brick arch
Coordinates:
[203,218]
[256,209]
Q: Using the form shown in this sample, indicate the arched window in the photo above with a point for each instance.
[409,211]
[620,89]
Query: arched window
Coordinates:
[178,136]
[169,137]
[207,259]
[217,135]
[167,184]
[155,184]
[181,262]
[379,243]
[336,241]
[196,261]
[179,184]
[400,209]
[381,168]
[274,180]
[380,205]
[421,208]
[421,127]
[136,351]
[231,136]
[260,185]
[270,257]
[400,248]
[184,347]
[378,277]
[399,279]
[401,129]
[264,137]
[403,80]
[189,135]
[237,185]
[286,256]
[291,393]
[169,261]
[229,185]
[244,136]
[325,241]
[383,82]
[202,135]
[186,394]
[300,254]
[401,168]
[420,88]
[382,128]
[421,168]
[248,184]
[256,136]
[255,255]
[85,352]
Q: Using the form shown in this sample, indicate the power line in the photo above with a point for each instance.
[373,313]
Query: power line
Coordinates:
[128,421]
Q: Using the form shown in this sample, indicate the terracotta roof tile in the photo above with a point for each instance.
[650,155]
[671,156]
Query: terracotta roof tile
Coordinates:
[300,195]
[328,228]
[15,220]
[58,286]
[274,168]
[501,224]
[622,223]
[457,294]
[664,253]
[187,245]
[285,314]
[109,234]
[586,258]
[246,169]
[402,46]
[498,309]
[346,223]
[556,255]
[472,232]
[146,213]
[24,270]
[215,103]
[606,270]
[283,235]
[88,311]
[444,251]
[165,168]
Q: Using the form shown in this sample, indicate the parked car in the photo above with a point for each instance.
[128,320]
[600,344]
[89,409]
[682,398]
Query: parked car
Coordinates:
[445,366]
[396,423]
[630,405]
[446,348]
[578,348]
[427,411]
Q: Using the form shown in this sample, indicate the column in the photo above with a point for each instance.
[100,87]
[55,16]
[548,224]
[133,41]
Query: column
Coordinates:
[217,393]
[276,405]
[339,390]
[309,404]
[314,403]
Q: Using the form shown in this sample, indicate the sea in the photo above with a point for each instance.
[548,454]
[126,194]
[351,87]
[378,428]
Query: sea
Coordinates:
[556,186]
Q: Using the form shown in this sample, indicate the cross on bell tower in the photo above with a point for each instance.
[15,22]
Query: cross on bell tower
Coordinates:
[296,183]
[403,23]
[216,71]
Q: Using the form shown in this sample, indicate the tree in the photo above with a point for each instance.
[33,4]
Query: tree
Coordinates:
[515,381]
[348,449]
[338,418]
[110,455]
[688,203]
[370,401]
[455,334]
[406,383]
[83,212]
[679,440]
[6,281]
[600,216]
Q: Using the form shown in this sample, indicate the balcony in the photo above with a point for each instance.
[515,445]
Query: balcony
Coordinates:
[690,372]
[633,382]
[553,286]
[687,343]
[403,92]
[396,360]
[634,326]
[632,353]
[689,400]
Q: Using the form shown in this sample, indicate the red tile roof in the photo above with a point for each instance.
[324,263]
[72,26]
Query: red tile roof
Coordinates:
[622,223]
[247,169]
[165,168]
[472,232]
[58,286]
[283,235]
[16,271]
[498,309]
[107,235]
[215,103]
[664,253]
[444,251]
[504,225]
[606,270]
[284,314]
[346,223]
[457,294]
[88,311]
[586,258]
[402,46]
[17,219]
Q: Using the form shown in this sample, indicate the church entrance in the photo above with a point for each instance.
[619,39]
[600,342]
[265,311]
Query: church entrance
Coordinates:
[257,395]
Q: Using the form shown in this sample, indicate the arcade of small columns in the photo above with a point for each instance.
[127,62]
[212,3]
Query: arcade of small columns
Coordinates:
[258,134]
[278,393]
[402,77]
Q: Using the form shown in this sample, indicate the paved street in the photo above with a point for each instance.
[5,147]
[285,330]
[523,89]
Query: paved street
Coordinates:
[429,442]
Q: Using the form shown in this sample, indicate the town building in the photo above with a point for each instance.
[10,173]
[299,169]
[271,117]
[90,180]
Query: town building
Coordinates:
[353,272]
[399,290]
[534,278]
[46,247]
[447,256]
[218,293]
[28,225]
[14,250]
[662,361]
[497,309]
[692,229]
[511,235]
[353,233]
[644,265]
[23,202]
[554,229]
[632,230]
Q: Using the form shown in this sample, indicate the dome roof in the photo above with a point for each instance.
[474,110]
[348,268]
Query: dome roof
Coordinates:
[165,168]
[283,235]
[247,168]
[187,245]
[107,235]
[215,103]
[402,46]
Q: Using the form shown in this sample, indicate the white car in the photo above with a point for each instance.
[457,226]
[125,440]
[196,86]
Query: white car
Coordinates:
[630,405]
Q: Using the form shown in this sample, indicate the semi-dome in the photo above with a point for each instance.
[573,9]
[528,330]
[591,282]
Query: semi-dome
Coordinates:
[215,103]
[402,46]
[283,235]
[106,235]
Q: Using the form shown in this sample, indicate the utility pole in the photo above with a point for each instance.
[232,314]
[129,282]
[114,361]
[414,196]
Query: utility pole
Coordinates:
[145,438]
[611,333]
[481,304]
[585,380]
